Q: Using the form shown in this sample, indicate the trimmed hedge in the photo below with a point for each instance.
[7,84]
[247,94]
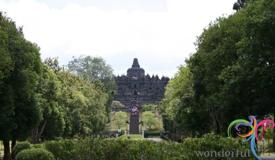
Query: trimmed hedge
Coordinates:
[20,146]
[35,154]
[117,149]
[61,149]
[212,147]
[206,148]
[209,147]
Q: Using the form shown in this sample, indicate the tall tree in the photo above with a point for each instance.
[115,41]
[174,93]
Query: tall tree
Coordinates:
[51,123]
[179,110]
[83,104]
[93,69]
[232,72]
[149,120]
[96,71]
[120,119]
[233,68]
[53,64]
[20,66]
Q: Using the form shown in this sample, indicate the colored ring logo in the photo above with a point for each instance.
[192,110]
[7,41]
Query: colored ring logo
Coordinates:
[248,130]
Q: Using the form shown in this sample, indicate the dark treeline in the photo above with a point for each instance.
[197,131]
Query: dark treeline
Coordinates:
[231,75]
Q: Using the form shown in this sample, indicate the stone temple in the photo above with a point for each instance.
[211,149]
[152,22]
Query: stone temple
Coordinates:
[136,89]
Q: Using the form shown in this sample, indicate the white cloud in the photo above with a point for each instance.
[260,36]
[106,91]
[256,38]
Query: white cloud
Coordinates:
[160,39]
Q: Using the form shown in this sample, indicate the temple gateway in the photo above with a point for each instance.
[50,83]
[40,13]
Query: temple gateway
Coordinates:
[136,89]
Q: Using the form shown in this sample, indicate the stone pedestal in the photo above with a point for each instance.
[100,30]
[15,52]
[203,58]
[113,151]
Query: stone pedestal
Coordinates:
[134,124]
[134,118]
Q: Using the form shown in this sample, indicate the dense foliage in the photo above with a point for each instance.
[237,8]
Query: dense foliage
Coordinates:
[51,121]
[43,100]
[62,150]
[150,120]
[115,149]
[69,105]
[20,67]
[95,70]
[230,76]
[179,115]
[84,105]
[20,147]
[35,154]
[150,107]
[119,119]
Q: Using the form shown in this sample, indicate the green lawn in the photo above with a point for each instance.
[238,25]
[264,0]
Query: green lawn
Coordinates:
[1,149]
[132,137]
[112,126]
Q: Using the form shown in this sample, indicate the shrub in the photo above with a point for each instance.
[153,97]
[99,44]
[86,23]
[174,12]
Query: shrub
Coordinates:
[37,146]
[105,149]
[35,154]
[211,147]
[92,148]
[20,146]
[62,149]
[124,149]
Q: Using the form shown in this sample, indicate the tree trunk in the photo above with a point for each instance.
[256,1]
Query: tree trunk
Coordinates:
[216,121]
[34,137]
[13,143]
[42,130]
[7,154]
[37,133]
[217,127]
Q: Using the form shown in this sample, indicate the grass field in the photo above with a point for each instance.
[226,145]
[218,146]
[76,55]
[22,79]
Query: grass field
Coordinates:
[1,150]
[112,125]
[132,137]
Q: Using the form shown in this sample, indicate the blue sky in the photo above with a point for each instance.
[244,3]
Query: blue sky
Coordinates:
[161,33]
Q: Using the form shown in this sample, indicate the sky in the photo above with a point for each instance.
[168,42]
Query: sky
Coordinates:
[160,33]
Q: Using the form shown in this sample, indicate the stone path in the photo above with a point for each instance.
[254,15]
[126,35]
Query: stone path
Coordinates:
[154,139]
[269,158]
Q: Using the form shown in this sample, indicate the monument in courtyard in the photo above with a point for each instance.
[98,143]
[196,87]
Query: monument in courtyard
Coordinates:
[136,89]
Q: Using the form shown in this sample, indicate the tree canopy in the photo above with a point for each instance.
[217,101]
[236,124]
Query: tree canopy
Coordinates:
[120,118]
[231,74]
[150,120]
[43,100]
[93,69]
[20,67]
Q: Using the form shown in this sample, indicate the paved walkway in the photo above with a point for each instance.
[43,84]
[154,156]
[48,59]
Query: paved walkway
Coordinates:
[269,158]
[154,139]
